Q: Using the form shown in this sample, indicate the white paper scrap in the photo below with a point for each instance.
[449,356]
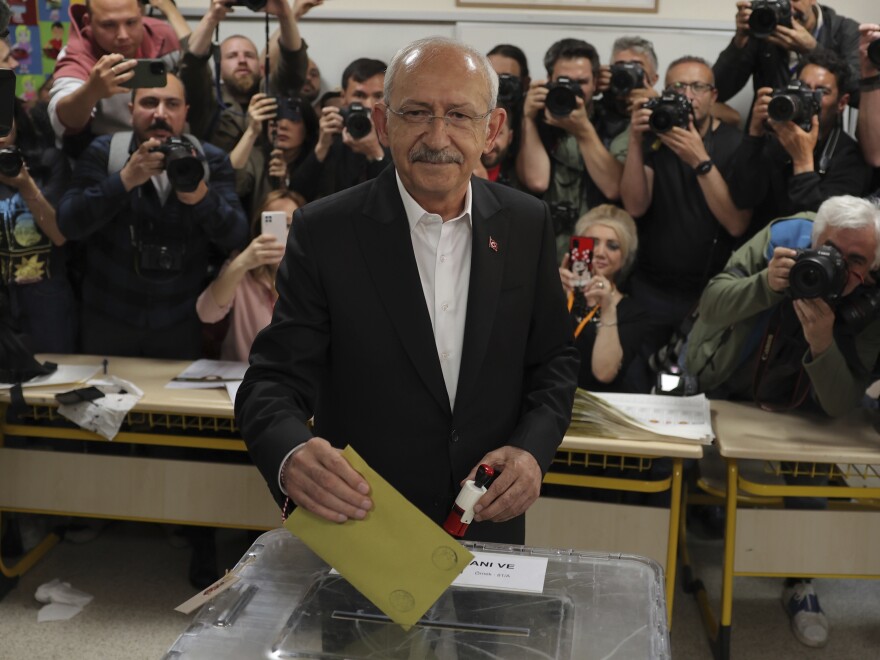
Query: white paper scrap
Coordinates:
[490,570]
[208,374]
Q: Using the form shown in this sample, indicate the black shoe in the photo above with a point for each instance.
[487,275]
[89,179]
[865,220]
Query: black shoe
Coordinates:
[203,561]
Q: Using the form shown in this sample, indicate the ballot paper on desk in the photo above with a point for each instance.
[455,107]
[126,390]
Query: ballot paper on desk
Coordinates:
[397,557]
[209,374]
[651,417]
[65,374]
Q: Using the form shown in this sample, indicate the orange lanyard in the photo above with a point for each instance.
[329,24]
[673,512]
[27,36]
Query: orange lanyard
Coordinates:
[586,319]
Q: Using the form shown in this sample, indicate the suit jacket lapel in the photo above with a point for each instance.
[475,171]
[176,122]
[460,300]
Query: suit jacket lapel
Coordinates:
[387,248]
[490,236]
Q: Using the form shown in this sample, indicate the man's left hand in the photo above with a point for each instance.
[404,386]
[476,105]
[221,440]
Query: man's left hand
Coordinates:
[686,144]
[194,197]
[798,143]
[515,488]
[575,123]
[796,38]
[817,320]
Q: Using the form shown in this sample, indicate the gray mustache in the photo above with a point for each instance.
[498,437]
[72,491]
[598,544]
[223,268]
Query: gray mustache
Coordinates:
[423,154]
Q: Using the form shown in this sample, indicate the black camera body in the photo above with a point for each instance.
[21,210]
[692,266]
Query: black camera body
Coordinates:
[182,163]
[668,111]
[510,89]
[874,52]
[253,5]
[797,103]
[820,273]
[766,15]
[860,307]
[357,120]
[562,95]
[11,161]
[167,259]
[564,216]
[625,77]
[289,107]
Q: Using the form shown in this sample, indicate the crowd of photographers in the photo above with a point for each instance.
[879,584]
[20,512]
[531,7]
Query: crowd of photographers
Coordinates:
[141,186]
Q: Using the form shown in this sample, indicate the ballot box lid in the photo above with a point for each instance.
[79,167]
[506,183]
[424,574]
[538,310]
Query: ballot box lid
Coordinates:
[289,604]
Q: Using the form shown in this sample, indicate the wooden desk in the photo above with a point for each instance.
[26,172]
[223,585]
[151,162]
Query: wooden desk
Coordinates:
[191,491]
[597,526]
[786,542]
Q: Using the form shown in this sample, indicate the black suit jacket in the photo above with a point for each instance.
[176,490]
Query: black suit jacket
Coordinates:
[351,342]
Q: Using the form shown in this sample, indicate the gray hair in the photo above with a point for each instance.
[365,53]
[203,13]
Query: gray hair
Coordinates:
[848,212]
[411,55]
[637,45]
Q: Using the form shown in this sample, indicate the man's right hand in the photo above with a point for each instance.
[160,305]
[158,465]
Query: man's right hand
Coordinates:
[779,267]
[639,122]
[319,479]
[758,123]
[743,11]
[142,165]
[108,74]
[331,124]
[533,104]
[868,33]
[218,11]
[261,108]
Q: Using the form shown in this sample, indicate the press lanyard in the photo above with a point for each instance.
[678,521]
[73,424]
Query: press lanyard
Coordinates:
[586,319]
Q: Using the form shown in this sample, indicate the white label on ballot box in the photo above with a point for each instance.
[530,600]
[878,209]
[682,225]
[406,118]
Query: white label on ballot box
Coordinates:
[489,570]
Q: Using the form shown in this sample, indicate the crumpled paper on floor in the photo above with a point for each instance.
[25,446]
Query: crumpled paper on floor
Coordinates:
[104,416]
[63,602]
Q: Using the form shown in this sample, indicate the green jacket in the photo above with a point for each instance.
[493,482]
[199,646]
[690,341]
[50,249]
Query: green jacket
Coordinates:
[731,308]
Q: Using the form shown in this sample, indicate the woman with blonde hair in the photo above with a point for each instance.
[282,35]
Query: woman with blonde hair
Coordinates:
[246,283]
[609,326]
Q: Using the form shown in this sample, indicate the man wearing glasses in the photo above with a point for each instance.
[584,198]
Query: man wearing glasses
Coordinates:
[420,320]
[674,184]
[781,168]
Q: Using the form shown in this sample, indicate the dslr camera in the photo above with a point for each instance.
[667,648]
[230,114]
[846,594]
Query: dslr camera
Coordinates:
[11,161]
[874,52]
[860,307]
[167,259]
[820,273]
[668,111]
[182,163]
[510,90]
[766,15]
[253,5]
[562,96]
[357,120]
[625,77]
[288,108]
[797,103]
[564,216]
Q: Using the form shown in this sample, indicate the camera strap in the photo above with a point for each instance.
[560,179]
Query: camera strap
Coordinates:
[576,312]
[828,150]
[780,361]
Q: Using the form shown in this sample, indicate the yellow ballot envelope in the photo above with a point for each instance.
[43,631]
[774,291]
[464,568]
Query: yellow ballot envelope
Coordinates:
[397,557]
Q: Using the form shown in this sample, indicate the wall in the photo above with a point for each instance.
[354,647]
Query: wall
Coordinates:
[341,30]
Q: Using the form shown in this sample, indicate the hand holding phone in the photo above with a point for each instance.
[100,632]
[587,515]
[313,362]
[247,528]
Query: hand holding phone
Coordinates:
[147,73]
[580,259]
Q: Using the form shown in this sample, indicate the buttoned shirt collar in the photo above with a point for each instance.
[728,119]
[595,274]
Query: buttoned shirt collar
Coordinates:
[415,212]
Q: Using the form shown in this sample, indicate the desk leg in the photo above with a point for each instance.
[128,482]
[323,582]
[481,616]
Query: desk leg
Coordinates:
[672,540]
[729,555]
[26,562]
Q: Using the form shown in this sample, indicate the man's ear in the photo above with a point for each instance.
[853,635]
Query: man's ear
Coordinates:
[380,121]
[86,19]
[496,121]
[842,102]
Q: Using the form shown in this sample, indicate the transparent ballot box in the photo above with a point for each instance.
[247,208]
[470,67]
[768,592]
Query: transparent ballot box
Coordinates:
[289,604]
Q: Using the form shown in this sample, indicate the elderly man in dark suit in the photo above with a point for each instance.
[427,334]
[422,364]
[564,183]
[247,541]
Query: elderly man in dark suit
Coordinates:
[420,320]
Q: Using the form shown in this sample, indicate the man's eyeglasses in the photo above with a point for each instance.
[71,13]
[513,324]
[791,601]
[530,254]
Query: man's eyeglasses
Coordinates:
[697,87]
[453,118]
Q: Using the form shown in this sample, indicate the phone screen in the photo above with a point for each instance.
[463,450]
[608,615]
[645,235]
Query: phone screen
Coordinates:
[580,257]
[275,223]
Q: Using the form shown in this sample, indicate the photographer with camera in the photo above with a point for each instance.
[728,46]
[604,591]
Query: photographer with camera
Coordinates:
[796,155]
[147,204]
[348,150]
[869,86]
[563,155]
[791,323]
[774,36]
[628,81]
[675,185]
[33,261]
[88,96]
[218,108]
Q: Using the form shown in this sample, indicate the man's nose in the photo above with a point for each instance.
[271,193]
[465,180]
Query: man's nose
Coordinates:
[122,33]
[438,131]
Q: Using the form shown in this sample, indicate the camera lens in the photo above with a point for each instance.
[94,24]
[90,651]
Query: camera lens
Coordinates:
[157,68]
[762,22]
[783,108]
[820,273]
[561,101]
[357,121]
[10,161]
[662,119]
[874,52]
[622,82]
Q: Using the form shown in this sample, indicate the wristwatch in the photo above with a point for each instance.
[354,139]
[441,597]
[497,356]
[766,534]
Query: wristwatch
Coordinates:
[704,168]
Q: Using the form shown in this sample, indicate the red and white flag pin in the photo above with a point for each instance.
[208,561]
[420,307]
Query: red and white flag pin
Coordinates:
[493,244]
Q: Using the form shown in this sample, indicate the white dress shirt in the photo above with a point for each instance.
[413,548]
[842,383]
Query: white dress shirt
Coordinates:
[443,255]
